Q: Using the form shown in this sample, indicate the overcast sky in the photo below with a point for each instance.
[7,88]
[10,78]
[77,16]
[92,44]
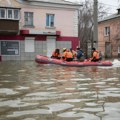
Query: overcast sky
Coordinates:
[112,4]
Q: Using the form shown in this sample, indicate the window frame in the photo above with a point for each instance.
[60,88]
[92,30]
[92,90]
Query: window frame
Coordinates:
[107,31]
[28,17]
[8,15]
[5,13]
[13,14]
[50,19]
[18,17]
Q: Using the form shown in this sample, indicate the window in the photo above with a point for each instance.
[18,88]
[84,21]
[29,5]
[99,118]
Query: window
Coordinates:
[10,14]
[107,31]
[2,13]
[28,18]
[118,49]
[16,14]
[50,20]
[9,47]
[13,14]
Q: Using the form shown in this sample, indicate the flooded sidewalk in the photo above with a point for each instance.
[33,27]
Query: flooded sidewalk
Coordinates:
[29,91]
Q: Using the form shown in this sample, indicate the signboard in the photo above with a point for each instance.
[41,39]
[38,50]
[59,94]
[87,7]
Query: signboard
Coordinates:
[9,47]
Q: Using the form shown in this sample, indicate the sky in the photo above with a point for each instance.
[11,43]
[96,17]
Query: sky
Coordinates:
[112,4]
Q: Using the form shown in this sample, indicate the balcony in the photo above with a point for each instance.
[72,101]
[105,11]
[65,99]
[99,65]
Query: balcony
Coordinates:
[9,20]
[9,27]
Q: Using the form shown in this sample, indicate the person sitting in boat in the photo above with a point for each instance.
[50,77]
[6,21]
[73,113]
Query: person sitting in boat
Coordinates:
[80,54]
[56,54]
[67,55]
[95,55]
[73,53]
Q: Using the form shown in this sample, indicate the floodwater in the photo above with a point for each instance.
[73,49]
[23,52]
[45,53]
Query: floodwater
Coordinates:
[29,91]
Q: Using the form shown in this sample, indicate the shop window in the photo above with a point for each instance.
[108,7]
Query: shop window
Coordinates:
[9,47]
[28,18]
[50,20]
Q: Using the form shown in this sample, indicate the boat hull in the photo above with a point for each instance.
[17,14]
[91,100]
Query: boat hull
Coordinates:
[46,60]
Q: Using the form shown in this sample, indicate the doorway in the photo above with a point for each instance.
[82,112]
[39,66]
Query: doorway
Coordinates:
[108,51]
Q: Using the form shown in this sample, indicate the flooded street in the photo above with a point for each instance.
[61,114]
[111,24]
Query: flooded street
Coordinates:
[29,91]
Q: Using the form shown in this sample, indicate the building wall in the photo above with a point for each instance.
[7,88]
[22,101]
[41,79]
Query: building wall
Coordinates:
[40,47]
[113,38]
[66,23]
[65,20]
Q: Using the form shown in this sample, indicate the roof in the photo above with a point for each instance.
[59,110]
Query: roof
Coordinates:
[9,3]
[53,1]
[113,16]
[42,3]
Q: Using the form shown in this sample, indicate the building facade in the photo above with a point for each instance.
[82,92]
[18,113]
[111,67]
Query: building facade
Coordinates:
[109,35]
[28,28]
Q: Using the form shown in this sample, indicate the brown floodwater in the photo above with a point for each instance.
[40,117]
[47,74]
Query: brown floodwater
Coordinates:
[29,91]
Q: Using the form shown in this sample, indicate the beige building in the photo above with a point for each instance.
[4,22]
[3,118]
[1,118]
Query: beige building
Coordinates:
[31,27]
[109,35]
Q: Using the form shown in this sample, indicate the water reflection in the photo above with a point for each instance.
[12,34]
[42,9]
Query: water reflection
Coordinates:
[29,91]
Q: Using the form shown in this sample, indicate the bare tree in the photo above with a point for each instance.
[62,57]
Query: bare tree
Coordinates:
[86,23]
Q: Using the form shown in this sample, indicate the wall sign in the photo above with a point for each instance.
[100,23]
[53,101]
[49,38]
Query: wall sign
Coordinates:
[9,47]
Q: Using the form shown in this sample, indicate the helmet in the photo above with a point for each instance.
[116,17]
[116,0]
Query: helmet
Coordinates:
[64,48]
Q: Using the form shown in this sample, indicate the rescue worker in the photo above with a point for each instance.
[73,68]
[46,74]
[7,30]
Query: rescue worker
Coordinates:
[73,53]
[80,55]
[95,55]
[56,54]
[64,54]
[67,55]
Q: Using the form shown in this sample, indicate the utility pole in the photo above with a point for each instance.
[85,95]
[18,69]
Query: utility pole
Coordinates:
[95,18]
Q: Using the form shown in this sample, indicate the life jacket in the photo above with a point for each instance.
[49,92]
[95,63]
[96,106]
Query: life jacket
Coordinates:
[69,55]
[96,54]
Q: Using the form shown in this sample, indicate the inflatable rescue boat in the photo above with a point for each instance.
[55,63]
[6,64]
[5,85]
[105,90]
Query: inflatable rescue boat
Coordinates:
[47,60]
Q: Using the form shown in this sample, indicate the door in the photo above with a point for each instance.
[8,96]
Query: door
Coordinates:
[51,45]
[108,52]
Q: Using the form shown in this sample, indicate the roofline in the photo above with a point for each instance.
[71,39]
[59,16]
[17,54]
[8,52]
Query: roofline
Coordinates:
[74,4]
[51,3]
[9,7]
[109,19]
